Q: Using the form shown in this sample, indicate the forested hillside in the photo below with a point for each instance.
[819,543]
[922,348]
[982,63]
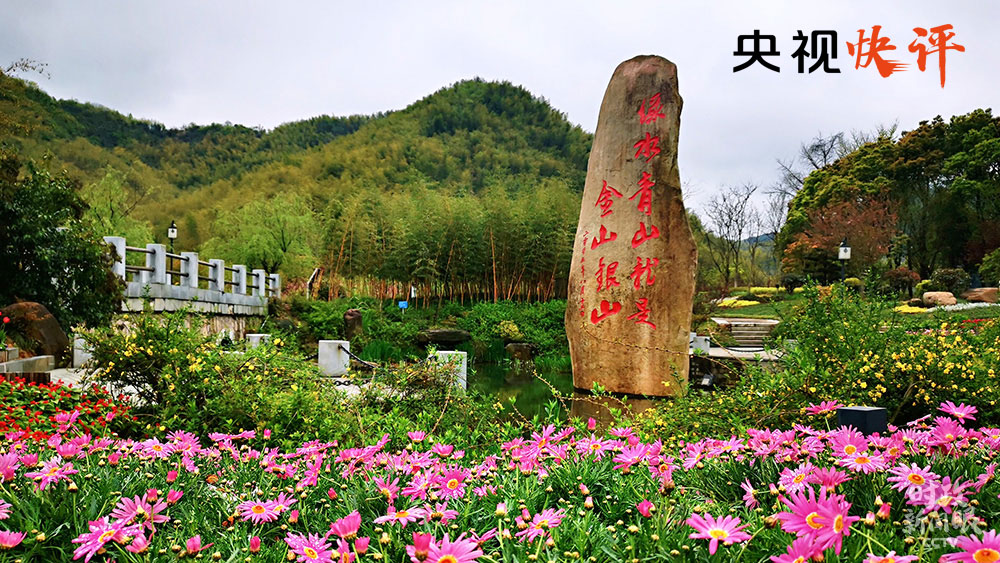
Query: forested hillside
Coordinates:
[473,189]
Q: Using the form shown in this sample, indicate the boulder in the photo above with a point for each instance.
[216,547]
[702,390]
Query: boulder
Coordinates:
[353,324]
[443,336]
[37,325]
[981,295]
[521,351]
[939,298]
[915,302]
[631,283]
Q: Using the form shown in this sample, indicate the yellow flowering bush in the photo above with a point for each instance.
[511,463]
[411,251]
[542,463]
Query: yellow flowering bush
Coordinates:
[734,302]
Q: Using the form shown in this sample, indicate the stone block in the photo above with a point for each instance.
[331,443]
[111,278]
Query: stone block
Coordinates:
[81,352]
[255,339]
[939,298]
[333,358]
[461,363]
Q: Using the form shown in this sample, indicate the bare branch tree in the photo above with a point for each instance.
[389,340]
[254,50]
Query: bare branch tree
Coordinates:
[26,65]
[730,215]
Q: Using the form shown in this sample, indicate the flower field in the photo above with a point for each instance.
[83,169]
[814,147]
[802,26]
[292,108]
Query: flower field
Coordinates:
[924,491]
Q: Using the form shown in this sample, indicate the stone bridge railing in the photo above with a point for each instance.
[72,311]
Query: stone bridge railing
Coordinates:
[177,281]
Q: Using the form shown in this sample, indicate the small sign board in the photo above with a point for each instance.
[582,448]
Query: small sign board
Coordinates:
[845,253]
[404,304]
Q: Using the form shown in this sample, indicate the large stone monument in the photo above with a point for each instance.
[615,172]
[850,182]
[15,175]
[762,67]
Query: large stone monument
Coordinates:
[631,284]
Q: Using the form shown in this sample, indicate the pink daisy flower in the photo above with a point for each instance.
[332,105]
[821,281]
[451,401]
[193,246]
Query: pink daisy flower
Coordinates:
[193,544]
[540,524]
[4,510]
[459,551]
[911,477]
[309,548]
[439,513]
[8,466]
[848,441]
[442,450]
[828,477]
[283,502]
[796,479]
[725,529]
[139,544]
[823,408]
[943,495]
[802,550]
[52,471]
[824,518]
[416,436]
[101,532]
[962,411]
[594,446]
[748,494]
[10,540]
[129,509]
[452,483]
[402,517]
[645,508]
[257,512]
[348,526]
[976,550]
[863,463]
[388,490]
[421,547]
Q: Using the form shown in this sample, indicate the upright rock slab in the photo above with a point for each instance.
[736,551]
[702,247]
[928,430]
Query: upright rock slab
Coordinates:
[631,285]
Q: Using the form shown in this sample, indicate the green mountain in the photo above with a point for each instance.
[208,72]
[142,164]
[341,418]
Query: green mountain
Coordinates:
[463,145]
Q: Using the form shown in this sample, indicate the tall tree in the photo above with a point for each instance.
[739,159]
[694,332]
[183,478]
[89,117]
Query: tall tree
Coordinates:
[730,216]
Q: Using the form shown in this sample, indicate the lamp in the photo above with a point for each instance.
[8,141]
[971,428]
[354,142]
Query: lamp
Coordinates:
[172,234]
[844,255]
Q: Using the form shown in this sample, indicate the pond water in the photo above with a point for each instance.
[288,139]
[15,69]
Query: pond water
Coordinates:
[530,392]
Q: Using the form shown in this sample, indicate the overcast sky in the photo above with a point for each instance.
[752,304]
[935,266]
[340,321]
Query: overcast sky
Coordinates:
[266,63]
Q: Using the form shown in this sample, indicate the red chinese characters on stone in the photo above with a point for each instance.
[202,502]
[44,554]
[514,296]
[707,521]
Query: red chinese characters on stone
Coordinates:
[642,236]
[645,193]
[639,271]
[603,237]
[648,147]
[606,275]
[606,310]
[583,275]
[604,200]
[642,315]
[651,113]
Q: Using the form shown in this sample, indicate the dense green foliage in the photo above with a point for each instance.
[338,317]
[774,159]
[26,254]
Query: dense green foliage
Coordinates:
[942,178]
[391,335]
[47,253]
[472,190]
[186,380]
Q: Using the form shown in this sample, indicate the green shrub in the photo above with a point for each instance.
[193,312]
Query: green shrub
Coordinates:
[989,269]
[899,280]
[924,286]
[854,284]
[792,281]
[955,280]
[183,380]
[47,252]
